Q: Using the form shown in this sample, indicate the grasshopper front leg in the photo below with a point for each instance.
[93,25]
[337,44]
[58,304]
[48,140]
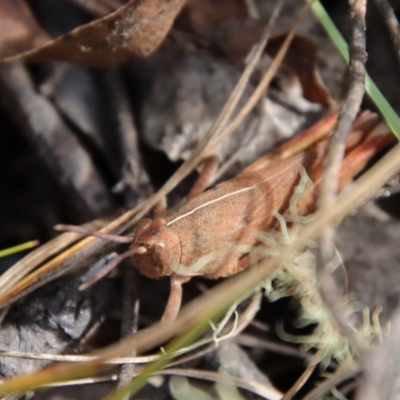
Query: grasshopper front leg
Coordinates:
[174,300]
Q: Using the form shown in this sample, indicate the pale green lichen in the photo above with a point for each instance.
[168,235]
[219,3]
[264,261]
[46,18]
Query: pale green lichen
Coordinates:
[297,278]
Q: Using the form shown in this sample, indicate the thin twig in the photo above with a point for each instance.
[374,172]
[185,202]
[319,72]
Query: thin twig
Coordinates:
[303,377]
[390,20]
[245,340]
[329,185]
[130,319]
[339,376]
[135,183]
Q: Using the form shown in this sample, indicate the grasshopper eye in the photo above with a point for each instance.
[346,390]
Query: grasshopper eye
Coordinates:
[141,250]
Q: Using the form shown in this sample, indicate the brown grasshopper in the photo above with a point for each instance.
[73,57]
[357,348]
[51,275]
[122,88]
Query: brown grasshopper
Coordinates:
[232,212]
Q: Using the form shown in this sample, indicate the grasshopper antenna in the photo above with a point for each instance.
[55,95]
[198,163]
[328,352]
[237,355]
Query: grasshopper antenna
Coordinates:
[89,232]
[111,265]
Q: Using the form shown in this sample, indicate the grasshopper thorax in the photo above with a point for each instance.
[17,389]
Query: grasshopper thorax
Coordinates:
[157,247]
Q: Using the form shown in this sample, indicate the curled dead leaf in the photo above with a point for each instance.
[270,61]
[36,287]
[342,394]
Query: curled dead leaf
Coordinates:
[301,59]
[236,38]
[134,30]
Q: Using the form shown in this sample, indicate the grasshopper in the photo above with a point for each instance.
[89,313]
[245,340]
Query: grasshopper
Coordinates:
[232,212]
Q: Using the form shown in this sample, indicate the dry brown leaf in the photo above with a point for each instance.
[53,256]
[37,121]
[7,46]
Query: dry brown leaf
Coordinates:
[134,30]
[237,37]
[301,59]
[205,17]
[19,30]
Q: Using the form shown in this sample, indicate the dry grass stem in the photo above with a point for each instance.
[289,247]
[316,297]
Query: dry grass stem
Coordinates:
[330,182]
[391,22]
[302,379]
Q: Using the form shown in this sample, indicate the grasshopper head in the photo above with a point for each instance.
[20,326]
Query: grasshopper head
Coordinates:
[157,248]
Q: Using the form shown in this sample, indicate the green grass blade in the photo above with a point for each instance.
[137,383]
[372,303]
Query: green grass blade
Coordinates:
[18,248]
[372,90]
[185,339]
